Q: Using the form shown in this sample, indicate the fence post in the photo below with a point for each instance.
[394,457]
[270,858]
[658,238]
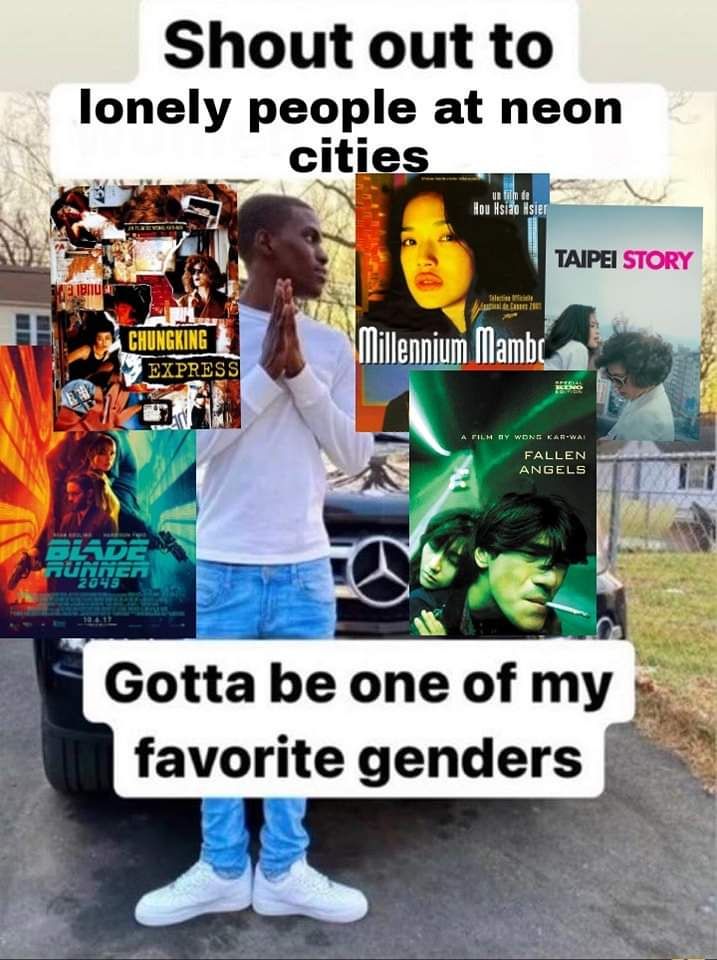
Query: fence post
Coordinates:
[614,532]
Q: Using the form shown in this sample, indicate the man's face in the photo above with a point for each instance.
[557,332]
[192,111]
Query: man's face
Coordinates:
[523,581]
[75,497]
[299,254]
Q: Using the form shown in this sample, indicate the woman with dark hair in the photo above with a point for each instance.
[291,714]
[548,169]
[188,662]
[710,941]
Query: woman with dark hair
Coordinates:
[446,261]
[100,455]
[202,279]
[637,364]
[572,339]
[95,361]
[443,560]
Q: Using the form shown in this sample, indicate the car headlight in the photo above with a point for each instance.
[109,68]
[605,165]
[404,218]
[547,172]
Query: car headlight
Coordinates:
[73,644]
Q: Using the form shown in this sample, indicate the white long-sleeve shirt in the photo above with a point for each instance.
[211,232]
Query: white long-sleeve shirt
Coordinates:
[263,491]
[573,355]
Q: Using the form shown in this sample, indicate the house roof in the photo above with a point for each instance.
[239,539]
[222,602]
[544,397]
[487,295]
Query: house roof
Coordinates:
[30,285]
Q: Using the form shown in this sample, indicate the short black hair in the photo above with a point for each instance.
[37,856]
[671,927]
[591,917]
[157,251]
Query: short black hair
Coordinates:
[95,321]
[516,520]
[264,211]
[647,358]
[442,529]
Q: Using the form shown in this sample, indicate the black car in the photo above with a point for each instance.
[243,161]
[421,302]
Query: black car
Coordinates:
[367,520]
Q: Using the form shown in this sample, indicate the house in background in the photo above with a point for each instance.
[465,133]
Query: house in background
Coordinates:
[663,485]
[24,304]
[665,470]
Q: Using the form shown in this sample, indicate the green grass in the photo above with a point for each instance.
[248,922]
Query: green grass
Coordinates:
[640,520]
[672,613]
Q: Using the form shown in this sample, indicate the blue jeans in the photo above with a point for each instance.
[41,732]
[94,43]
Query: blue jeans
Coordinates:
[242,602]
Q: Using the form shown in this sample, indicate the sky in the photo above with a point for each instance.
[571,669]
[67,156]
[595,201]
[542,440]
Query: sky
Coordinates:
[694,164]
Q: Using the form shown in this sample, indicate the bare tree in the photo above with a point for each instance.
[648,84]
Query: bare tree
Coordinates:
[25,180]
[622,191]
[708,356]
[334,203]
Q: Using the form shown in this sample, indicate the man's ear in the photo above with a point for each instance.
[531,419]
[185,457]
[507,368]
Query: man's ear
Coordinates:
[482,558]
[264,242]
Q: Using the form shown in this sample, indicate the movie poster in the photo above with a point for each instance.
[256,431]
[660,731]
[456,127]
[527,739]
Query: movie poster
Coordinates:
[502,504]
[449,274]
[99,527]
[623,291]
[145,307]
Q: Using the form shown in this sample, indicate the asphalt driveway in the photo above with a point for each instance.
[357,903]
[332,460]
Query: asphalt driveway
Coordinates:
[627,875]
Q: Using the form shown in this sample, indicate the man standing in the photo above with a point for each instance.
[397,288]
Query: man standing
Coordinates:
[263,569]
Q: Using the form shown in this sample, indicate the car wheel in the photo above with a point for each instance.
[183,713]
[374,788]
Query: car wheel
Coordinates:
[74,765]
[605,627]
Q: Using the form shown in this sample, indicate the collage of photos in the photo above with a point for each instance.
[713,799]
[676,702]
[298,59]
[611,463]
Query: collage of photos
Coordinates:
[467,286]
[145,307]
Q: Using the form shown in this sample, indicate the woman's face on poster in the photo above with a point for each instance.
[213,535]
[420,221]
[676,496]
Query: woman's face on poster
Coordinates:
[104,458]
[594,332]
[439,564]
[437,265]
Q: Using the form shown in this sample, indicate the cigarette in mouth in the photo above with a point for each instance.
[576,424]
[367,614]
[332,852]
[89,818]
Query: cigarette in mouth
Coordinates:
[563,609]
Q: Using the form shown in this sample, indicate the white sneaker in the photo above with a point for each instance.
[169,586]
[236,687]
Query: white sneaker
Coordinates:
[305,891]
[199,890]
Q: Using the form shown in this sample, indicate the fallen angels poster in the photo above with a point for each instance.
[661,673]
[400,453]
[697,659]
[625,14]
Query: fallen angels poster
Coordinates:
[449,272]
[502,504]
[98,532]
[145,306]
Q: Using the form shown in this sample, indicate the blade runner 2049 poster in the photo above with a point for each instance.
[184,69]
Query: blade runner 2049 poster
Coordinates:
[98,533]
[502,504]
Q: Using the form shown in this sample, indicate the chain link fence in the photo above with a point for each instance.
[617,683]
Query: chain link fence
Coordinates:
[657,513]
[657,502]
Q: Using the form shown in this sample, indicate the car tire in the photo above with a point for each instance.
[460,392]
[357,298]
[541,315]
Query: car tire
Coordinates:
[74,765]
[605,627]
